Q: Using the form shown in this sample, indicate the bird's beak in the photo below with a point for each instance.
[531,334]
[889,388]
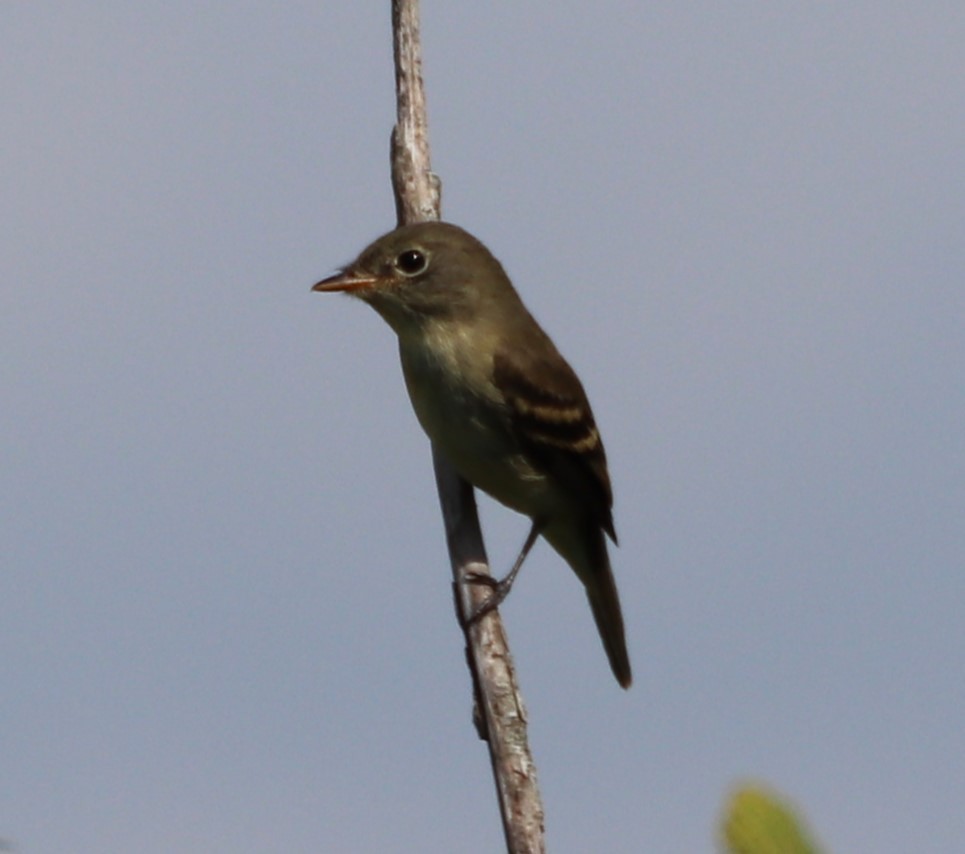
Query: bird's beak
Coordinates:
[346,280]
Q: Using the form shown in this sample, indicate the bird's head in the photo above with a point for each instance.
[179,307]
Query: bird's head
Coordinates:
[423,272]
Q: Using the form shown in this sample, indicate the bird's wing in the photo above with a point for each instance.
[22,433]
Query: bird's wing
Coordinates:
[553,422]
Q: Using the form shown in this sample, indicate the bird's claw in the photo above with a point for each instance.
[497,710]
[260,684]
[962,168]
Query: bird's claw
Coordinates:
[482,578]
[500,590]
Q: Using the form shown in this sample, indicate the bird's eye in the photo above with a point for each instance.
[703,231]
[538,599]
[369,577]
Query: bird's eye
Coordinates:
[411,262]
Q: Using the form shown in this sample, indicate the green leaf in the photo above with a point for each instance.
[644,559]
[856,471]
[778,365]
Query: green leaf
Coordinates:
[758,821]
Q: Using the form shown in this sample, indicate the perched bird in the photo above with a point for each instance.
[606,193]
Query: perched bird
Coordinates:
[495,396]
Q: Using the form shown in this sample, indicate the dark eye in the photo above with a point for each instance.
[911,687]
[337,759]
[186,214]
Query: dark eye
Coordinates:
[411,262]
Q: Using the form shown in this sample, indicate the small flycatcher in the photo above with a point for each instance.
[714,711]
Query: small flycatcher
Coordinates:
[495,396]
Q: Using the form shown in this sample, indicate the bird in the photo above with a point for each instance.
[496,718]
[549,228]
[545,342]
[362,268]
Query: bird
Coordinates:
[495,396]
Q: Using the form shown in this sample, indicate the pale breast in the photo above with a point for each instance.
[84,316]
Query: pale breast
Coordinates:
[460,411]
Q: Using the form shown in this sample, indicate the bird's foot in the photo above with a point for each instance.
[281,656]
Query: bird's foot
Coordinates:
[500,588]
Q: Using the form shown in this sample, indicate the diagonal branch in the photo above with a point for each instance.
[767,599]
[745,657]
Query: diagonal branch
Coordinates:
[500,714]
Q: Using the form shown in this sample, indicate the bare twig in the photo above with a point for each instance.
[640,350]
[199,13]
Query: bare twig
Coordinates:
[500,714]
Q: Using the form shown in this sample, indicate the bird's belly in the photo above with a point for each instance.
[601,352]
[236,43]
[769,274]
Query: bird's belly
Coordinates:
[476,439]
[498,469]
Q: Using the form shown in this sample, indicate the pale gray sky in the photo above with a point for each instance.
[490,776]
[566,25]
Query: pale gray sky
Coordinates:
[227,622]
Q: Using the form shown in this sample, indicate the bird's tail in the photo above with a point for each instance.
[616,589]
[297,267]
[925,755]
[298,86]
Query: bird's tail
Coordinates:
[601,590]
[588,557]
